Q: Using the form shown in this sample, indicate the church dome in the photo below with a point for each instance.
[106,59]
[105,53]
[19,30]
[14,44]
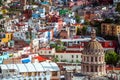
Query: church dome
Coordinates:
[93,47]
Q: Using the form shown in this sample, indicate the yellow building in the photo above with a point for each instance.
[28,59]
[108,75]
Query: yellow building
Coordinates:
[110,29]
[8,37]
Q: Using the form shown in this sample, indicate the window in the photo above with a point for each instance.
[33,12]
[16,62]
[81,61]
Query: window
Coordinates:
[95,59]
[91,68]
[88,59]
[91,59]
[11,70]
[76,56]
[49,52]
[72,56]
[96,69]
[87,68]
[45,78]
[54,73]
[61,56]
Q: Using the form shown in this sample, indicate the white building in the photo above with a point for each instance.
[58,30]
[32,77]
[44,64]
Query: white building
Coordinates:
[30,71]
[69,56]
[47,51]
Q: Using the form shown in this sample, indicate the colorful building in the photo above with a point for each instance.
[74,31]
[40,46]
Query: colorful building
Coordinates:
[109,29]
[6,37]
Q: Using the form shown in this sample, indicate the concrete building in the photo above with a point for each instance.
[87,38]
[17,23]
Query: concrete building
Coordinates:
[93,62]
[47,52]
[69,56]
[110,29]
[38,71]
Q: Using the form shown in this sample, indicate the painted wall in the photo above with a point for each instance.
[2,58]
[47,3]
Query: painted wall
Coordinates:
[8,37]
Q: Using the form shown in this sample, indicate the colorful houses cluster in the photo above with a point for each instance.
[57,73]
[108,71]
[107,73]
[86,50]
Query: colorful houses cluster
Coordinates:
[41,36]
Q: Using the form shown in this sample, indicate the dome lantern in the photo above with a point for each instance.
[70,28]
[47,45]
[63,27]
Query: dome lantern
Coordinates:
[93,34]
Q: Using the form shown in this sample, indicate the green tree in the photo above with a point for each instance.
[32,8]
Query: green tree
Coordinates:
[1,3]
[56,59]
[111,57]
[77,17]
[97,24]
[64,60]
[118,7]
[84,29]
[77,61]
[78,31]
[1,16]
[58,45]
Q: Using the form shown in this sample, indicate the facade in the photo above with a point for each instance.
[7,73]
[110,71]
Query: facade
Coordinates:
[110,29]
[93,62]
[30,71]
[7,37]
[68,56]
[46,51]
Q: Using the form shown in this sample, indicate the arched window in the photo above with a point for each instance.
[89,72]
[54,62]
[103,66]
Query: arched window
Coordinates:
[87,68]
[91,59]
[45,78]
[91,68]
[95,59]
[96,69]
[88,59]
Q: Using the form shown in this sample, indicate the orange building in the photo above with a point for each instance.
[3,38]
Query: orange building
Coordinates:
[8,37]
[110,29]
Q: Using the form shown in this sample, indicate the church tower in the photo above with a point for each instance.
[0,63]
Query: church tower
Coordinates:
[93,58]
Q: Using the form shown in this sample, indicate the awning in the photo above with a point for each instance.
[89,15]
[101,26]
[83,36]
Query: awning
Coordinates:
[40,58]
[25,60]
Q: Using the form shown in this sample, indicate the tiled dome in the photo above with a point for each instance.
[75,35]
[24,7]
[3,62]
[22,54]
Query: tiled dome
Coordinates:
[93,47]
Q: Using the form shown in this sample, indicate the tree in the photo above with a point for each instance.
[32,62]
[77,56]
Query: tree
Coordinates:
[77,17]
[1,3]
[97,24]
[1,16]
[84,29]
[111,57]
[78,31]
[77,61]
[55,59]
[59,46]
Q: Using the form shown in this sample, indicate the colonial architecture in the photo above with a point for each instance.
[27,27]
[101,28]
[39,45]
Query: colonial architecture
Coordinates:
[93,62]
[110,29]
